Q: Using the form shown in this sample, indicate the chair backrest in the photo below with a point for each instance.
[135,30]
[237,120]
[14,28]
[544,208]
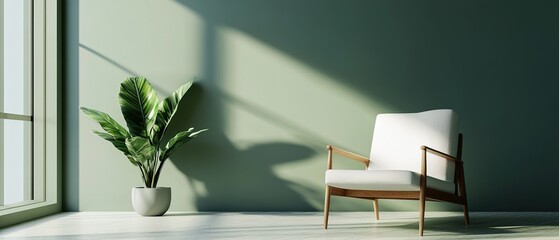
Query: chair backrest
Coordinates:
[398,137]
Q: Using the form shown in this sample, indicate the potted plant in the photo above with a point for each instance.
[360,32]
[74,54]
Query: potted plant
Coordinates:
[147,120]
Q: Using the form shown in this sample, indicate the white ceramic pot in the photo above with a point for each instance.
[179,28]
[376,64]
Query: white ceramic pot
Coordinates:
[151,201]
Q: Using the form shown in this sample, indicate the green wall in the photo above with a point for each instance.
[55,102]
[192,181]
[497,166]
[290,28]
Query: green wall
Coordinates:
[278,80]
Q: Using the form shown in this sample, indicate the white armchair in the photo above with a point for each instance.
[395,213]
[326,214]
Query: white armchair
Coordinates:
[410,159]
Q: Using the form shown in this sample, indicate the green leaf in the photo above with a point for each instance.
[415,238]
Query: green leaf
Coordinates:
[194,134]
[111,126]
[178,140]
[140,149]
[118,142]
[138,103]
[167,109]
[131,159]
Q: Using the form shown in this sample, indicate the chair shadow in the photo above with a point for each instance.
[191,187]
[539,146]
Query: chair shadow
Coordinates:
[481,224]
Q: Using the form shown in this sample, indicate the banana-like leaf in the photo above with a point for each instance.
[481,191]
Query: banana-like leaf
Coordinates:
[119,143]
[131,159]
[178,140]
[139,104]
[140,149]
[194,134]
[167,109]
[111,126]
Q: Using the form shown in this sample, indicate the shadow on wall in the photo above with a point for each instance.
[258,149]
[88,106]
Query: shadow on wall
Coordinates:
[70,90]
[493,62]
[234,179]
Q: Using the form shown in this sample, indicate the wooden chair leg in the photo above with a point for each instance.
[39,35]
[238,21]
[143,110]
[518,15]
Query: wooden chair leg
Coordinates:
[421,212]
[461,180]
[422,188]
[375,206]
[462,187]
[466,214]
[326,206]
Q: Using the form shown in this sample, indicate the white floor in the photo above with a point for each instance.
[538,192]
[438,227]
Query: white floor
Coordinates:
[351,225]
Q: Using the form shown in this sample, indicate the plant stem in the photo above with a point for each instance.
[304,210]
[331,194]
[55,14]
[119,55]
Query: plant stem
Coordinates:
[143,174]
[156,177]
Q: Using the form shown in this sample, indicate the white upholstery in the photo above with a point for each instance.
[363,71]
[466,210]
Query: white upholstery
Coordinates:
[396,154]
[382,180]
[398,137]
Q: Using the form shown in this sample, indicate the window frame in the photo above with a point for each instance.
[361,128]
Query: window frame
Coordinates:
[46,119]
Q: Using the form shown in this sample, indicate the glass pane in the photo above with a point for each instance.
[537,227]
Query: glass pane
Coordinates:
[15,159]
[15,69]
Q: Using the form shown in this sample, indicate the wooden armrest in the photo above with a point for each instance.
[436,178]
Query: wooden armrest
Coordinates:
[350,155]
[440,154]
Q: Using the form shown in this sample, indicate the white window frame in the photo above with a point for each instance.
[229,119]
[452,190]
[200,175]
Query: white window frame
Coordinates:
[46,119]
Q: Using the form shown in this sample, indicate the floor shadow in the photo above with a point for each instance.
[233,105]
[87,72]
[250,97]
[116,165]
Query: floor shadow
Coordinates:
[286,226]
[483,224]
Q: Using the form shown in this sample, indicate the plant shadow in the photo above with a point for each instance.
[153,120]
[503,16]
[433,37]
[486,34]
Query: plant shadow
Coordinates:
[234,178]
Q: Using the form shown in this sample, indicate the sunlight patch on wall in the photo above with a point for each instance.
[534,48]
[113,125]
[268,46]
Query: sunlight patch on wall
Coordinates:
[150,38]
[263,77]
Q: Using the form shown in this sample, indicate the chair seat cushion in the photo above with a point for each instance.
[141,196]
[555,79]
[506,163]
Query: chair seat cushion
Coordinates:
[382,180]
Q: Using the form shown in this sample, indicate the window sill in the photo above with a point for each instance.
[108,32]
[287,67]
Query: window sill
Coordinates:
[27,211]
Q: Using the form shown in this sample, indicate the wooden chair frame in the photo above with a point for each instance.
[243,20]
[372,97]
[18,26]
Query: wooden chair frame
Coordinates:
[424,193]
